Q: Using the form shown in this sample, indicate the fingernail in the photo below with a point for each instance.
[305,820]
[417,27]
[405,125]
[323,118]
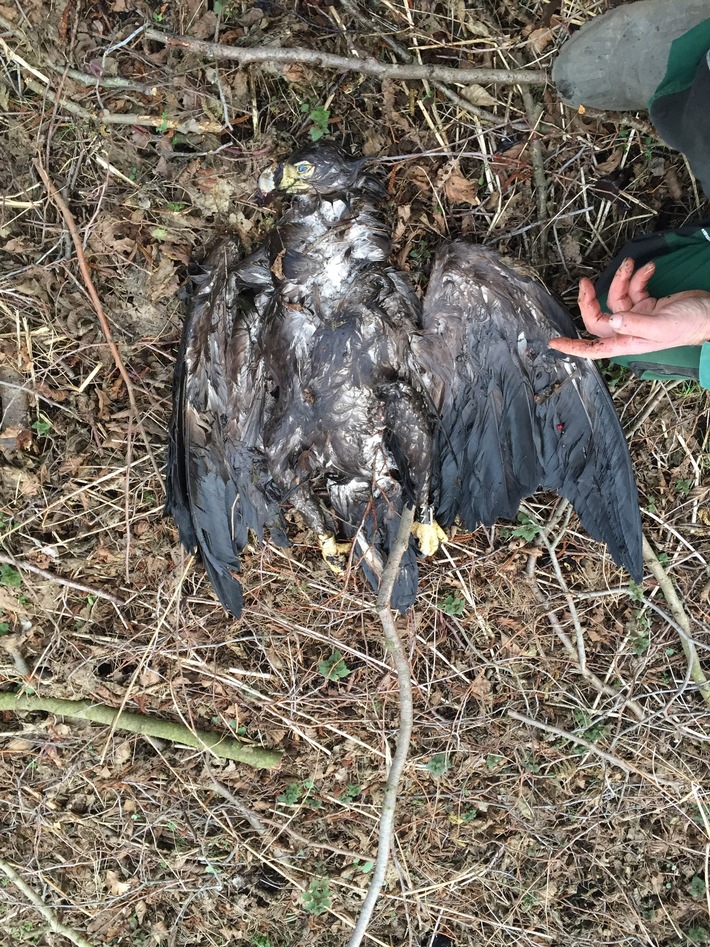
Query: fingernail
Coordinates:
[615,321]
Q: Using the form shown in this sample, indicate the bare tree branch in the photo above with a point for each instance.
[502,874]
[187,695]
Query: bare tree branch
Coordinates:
[406,719]
[222,746]
[368,67]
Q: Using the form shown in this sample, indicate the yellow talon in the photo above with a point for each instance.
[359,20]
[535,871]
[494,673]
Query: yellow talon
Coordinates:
[334,553]
[429,537]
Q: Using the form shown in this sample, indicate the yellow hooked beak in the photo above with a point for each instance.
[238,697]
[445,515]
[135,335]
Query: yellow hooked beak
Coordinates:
[284,177]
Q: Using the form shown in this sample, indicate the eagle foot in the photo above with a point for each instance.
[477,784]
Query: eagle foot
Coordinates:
[429,537]
[335,554]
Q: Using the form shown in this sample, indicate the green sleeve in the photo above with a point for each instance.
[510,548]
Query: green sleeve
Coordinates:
[704,367]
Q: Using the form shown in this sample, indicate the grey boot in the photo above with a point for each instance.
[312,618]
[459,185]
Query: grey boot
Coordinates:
[618,59]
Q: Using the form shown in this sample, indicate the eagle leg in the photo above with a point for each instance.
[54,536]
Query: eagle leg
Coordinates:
[335,554]
[427,532]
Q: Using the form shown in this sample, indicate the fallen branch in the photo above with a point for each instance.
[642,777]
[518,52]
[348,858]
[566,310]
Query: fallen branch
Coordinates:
[406,719]
[576,654]
[367,67]
[54,925]
[227,748]
[656,781]
[69,583]
[674,603]
[57,198]
[403,54]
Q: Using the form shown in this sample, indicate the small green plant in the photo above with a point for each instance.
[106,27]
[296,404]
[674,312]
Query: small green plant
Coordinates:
[163,126]
[319,118]
[683,487]
[296,793]
[421,251]
[335,668]
[438,764]
[528,528]
[351,792]
[592,732]
[698,935]
[4,628]
[291,795]
[614,375]
[454,605]
[42,426]
[696,888]
[317,897]
[648,145]
[10,576]
[635,592]
[492,760]
[260,940]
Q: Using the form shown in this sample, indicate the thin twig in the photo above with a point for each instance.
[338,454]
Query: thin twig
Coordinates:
[588,675]
[406,719]
[106,82]
[657,781]
[60,580]
[405,56]
[55,925]
[368,67]
[96,303]
[674,603]
[538,162]
[161,122]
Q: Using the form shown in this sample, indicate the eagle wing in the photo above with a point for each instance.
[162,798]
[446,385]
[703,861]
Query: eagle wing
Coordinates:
[217,485]
[513,414]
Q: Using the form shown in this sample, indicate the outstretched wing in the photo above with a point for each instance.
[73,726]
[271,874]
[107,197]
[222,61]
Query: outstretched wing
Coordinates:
[514,414]
[217,482]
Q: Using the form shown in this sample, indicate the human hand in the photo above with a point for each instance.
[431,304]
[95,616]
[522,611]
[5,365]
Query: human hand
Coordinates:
[639,323]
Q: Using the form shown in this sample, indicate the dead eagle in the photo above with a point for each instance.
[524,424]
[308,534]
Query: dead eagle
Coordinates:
[310,375]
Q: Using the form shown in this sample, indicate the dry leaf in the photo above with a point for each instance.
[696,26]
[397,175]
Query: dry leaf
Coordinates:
[162,282]
[481,688]
[571,250]
[296,73]
[477,95]
[611,163]
[540,39]
[460,190]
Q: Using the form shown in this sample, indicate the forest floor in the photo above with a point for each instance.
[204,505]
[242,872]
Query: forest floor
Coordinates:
[585,824]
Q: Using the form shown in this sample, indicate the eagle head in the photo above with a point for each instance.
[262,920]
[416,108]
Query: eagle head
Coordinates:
[314,169]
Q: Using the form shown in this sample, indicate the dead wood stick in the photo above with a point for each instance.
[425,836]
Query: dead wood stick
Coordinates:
[55,925]
[225,747]
[406,720]
[80,587]
[533,113]
[674,603]
[96,303]
[367,67]
[403,54]
[657,781]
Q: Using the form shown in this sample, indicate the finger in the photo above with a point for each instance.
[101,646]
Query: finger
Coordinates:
[604,348]
[596,322]
[638,284]
[663,331]
[618,298]
[580,348]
